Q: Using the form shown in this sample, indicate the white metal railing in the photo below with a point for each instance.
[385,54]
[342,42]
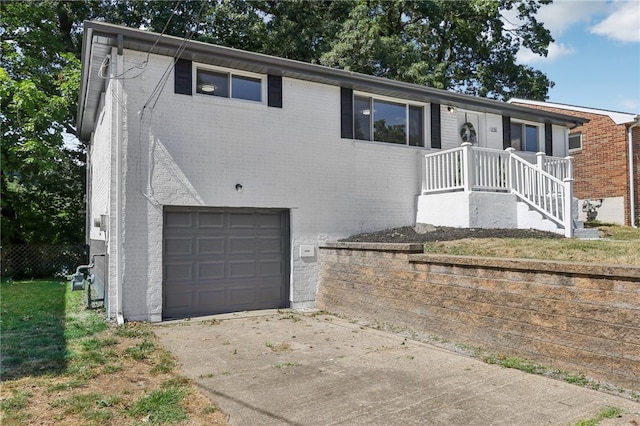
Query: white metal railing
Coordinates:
[547,186]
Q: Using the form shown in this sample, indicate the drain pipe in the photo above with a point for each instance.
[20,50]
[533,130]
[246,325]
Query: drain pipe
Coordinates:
[119,186]
[632,190]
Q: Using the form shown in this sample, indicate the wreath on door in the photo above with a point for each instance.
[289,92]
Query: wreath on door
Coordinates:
[468,133]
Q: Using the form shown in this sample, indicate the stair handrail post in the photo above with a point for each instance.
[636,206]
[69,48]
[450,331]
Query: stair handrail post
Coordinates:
[540,157]
[511,167]
[568,206]
[569,168]
[466,165]
[423,168]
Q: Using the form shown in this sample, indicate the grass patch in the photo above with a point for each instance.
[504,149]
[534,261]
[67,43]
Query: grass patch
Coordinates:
[162,405]
[617,248]
[59,359]
[32,327]
[605,413]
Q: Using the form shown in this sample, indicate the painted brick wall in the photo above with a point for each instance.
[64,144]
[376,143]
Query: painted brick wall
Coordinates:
[193,150]
[581,318]
[601,168]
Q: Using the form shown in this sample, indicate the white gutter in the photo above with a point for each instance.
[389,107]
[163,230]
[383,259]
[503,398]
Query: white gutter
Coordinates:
[632,198]
[119,69]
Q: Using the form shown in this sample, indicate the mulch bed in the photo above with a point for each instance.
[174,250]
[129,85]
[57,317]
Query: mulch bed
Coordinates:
[407,234]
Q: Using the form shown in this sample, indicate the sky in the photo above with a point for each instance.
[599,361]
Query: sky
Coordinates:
[595,58]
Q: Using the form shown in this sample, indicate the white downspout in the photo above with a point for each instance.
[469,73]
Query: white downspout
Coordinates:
[632,198]
[119,68]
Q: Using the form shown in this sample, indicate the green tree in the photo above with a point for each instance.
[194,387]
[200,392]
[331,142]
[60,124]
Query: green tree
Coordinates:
[42,179]
[465,46]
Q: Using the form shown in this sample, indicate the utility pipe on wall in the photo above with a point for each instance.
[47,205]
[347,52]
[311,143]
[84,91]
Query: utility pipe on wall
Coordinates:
[119,68]
[632,195]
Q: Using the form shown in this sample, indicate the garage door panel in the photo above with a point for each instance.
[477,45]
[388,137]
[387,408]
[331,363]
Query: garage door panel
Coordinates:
[211,220]
[211,245]
[178,246]
[270,293]
[269,222]
[224,260]
[242,269]
[211,270]
[242,245]
[242,220]
[211,299]
[178,272]
[180,300]
[269,245]
[242,296]
[177,220]
[270,268]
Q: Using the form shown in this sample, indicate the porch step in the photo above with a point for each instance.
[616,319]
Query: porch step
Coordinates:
[582,233]
[586,233]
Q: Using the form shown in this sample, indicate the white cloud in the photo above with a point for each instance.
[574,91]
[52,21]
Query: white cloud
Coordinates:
[629,104]
[560,15]
[556,51]
[623,24]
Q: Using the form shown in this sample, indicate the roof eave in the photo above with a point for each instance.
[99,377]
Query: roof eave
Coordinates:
[224,56]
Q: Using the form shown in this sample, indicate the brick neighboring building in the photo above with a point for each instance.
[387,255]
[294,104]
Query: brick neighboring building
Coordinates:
[601,150]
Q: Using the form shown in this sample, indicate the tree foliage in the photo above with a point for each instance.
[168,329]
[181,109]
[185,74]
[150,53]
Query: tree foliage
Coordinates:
[465,46]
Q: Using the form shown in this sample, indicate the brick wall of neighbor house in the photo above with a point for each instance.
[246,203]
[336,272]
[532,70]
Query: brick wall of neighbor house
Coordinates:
[192,150]
[581,318]
[601,167]
[636,174]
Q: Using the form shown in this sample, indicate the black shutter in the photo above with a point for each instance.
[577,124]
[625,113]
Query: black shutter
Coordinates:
[436,129]
[274,89]
[346,113]
[548,139]
[183,77]
[506,131]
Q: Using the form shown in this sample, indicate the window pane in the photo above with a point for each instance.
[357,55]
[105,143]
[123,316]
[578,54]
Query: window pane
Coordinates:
[246,88]
[575,141]
[516,136]
[213,83]
[416,128]
[390,122]
[362,118]
[531,138]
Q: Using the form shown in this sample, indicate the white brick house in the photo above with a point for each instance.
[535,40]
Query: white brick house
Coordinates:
[214,173]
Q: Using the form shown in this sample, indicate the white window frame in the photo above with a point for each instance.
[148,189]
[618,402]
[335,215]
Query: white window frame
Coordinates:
[539,126]
[231,73]
[580,135]
[424,107]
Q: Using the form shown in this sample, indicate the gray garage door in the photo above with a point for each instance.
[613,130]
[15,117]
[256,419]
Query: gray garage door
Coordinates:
[224,260]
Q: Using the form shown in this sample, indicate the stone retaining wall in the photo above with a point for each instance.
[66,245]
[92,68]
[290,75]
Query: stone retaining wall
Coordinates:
[578,317]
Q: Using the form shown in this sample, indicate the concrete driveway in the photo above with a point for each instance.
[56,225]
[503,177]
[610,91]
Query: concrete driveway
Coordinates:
[292,368]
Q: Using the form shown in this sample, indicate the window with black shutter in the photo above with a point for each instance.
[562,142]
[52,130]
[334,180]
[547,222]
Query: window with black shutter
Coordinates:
[548,139]
[183,77]
[436,127]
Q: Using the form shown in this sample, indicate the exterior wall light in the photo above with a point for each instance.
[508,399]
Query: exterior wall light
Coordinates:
[238,187]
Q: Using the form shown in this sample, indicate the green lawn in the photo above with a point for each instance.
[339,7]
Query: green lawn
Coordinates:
[37,319]
[63,362]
